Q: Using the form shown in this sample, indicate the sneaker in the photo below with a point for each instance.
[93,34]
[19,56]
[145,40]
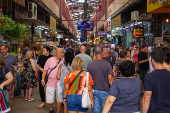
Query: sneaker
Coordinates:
[51,111]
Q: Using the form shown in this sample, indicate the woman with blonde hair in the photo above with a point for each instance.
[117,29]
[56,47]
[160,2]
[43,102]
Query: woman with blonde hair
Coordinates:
[19,74]
[29,75]
[5,73]
[75,82]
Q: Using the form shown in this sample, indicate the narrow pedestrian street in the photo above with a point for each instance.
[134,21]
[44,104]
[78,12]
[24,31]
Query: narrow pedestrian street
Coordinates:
[22,106]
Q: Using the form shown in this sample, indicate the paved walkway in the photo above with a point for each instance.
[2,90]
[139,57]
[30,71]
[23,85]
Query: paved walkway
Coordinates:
[22,106]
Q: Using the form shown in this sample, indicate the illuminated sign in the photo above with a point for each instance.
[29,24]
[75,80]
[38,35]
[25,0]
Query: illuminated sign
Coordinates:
[138,32]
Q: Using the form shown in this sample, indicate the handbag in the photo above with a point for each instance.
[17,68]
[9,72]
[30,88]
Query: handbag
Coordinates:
[10,86]
[46,77]
[86,101]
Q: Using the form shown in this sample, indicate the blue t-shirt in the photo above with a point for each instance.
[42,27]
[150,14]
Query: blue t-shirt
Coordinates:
[159,83]
[128,93]
[2,75]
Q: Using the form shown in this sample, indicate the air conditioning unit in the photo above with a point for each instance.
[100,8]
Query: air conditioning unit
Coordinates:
[134,15]
[163,1]
[32,10]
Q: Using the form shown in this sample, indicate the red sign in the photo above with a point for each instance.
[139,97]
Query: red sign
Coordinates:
[138,32]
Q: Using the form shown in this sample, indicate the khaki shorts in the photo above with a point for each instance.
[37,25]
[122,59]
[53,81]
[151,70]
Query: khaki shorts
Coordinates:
[50,94]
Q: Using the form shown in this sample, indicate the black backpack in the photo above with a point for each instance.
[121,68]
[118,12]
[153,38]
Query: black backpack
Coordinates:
[112,56]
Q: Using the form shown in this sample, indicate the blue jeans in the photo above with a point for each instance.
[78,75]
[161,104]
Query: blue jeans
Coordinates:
[19,80]
[99,100]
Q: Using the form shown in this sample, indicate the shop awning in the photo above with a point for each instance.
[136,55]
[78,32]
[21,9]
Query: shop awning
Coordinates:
[158,6]
[35,21]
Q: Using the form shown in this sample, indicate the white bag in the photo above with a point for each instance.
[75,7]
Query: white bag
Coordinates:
[86,102]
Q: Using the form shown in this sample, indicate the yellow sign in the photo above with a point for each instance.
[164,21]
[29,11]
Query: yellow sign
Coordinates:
[155,6]
[52,23]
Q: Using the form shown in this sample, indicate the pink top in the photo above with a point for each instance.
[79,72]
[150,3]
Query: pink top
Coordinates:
[50,64]
[135,56]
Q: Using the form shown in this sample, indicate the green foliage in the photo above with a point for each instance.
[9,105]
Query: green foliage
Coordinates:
[11,30]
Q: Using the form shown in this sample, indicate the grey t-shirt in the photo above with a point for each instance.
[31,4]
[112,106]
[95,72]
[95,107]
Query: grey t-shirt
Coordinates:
[64,72]
[86,60]
[128,93]
[99,70]
[10,60]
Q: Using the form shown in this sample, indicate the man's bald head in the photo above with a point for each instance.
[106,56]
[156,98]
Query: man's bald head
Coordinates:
[98,50]
[83,49]
[59,52]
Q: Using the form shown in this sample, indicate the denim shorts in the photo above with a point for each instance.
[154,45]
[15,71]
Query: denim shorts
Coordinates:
[60,92]
[74,103]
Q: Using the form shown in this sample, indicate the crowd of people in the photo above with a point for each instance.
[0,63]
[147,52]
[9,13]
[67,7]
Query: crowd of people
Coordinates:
[120,81]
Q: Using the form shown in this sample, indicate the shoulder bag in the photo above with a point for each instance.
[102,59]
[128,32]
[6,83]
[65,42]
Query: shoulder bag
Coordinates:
[46,77]
[75,78]
[86,101]
[10,86]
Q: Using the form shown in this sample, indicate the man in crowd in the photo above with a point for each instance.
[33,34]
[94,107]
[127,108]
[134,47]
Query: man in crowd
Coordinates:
[51,88]
[86,58]
[101,72]
[157,93]
[116,68]
[113,54]
[11,64]
[26,49]
[143,62]
[53,51]
[106,53]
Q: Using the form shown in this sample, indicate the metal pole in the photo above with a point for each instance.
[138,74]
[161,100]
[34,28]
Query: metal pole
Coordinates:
[7,7]
[85,16]
[11,8]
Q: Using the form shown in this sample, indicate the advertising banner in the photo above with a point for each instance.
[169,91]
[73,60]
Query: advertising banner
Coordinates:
[107,24]
[52,23]
[116,22]
[138,32]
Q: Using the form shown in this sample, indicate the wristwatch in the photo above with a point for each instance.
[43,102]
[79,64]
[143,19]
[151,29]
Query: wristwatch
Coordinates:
[42,80]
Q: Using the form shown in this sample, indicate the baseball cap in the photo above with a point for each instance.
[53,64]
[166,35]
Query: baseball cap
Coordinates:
[112,46]
[144,45]
[51,45]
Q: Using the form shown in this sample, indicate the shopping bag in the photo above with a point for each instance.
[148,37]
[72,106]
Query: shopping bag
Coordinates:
[86,102]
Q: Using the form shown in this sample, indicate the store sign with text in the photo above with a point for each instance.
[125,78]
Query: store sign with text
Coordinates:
[138,32]
[116,22]
[52,23]
[107,24]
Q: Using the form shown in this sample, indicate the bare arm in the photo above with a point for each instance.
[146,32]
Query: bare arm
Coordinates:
[110,78]
[33,66]
[59,72]
[66,88]
[108,104]
[43,77]
[91,95]
[146,101]
[38,67]
[9,77]
[143,61]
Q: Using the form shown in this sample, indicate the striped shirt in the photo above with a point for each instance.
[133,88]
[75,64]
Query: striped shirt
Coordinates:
[78,85]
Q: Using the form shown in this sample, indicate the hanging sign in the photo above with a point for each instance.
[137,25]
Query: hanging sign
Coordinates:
[52,23]
[138,32]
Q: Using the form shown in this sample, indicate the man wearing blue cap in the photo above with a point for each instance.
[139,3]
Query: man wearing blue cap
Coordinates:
[143,61]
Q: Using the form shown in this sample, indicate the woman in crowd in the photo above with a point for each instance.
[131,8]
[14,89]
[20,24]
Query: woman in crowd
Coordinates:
[40,65]
[124,95]
[166,62]
[19,74]
[135,56]
[62,73]
[29,75]
[35,53]
[128,56]
[73,92]
[4,72]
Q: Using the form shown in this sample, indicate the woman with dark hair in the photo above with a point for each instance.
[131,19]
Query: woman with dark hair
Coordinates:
[166,63]
[62,73]
[128,55]
[40,65]
[124,95]
[35,53]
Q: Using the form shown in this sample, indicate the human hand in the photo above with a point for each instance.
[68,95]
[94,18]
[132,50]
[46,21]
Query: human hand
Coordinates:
[43,83]
[92,104]
[1,86]
[65,102]
[15,67]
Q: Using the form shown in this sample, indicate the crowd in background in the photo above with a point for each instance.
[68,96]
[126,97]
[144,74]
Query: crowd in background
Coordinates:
[113,77]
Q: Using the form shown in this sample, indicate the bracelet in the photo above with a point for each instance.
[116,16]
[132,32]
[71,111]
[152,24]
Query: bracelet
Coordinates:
[135,71]
[42,80]
[65,98]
